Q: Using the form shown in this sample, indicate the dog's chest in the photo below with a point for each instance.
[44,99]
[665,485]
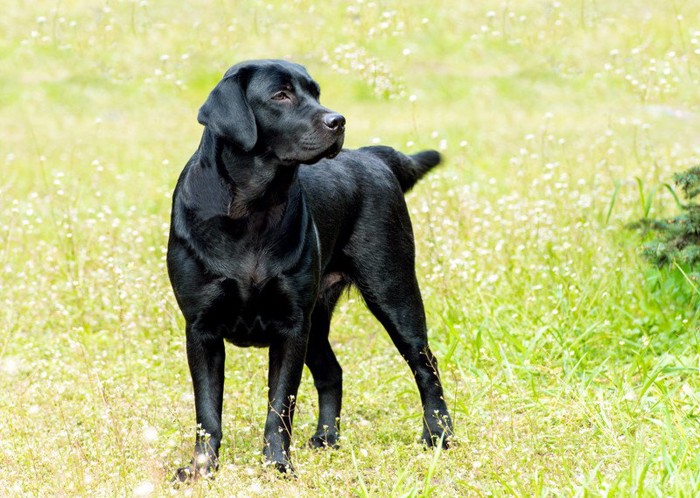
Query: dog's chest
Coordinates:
[251,269]
[223,253]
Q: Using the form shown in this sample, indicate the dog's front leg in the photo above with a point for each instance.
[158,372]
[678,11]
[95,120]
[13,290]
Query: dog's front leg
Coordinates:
[286,365]
[206,355]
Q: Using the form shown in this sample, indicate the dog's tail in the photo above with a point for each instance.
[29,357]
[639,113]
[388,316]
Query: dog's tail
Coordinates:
[407,169]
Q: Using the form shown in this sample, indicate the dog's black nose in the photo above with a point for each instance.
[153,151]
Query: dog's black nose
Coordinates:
[334,120]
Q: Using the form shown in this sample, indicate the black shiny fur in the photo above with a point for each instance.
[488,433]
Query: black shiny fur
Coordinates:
[266,232]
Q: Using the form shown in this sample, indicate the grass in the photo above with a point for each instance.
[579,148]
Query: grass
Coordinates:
[567,371]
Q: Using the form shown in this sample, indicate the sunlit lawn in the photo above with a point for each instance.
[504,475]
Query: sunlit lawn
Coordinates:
[567,371]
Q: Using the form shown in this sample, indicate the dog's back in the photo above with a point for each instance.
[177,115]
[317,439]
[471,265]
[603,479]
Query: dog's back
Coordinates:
[362,190]
[407,169]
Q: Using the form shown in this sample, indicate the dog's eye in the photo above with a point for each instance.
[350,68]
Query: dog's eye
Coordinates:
[281,96]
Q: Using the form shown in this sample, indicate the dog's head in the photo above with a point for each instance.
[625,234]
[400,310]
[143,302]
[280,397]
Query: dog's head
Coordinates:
[273,105]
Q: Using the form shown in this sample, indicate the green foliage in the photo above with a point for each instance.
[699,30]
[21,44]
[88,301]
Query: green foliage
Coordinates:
[689,182]
[675,245]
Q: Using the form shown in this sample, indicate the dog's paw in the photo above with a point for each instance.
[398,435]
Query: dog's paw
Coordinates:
[283,466]
[324,440]
[202,467]
[278,459]
[440,437]
[437,431]
[183,474]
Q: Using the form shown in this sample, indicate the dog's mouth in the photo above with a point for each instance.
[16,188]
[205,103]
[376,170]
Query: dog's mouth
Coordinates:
[335,149]
[329,153]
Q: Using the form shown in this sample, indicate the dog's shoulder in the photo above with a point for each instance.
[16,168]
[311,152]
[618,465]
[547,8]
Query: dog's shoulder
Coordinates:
[201,190]
[351,171]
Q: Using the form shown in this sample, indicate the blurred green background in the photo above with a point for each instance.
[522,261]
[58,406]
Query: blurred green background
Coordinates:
[571,367]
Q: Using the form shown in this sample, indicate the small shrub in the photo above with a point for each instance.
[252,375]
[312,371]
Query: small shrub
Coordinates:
[675,246]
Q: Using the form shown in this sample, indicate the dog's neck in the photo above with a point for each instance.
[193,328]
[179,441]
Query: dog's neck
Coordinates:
[259,185]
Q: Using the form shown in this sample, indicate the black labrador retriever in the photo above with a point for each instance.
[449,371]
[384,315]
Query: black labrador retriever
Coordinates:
[267,231]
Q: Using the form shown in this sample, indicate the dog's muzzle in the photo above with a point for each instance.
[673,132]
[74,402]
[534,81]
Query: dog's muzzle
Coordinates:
[335,149]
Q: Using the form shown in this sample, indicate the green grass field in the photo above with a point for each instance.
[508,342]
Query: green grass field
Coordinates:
[571,369]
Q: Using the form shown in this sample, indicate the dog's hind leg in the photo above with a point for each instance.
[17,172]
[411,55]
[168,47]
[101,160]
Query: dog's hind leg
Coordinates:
[384,270]
[400,311]
[327,373]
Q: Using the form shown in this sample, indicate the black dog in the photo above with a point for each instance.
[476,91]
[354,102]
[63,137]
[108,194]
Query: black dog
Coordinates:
[262,247]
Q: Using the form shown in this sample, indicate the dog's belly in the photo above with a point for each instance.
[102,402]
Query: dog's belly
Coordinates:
[254,314]
[247,331]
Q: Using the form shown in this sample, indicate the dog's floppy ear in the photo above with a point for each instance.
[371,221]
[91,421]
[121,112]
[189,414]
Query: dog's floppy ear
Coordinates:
[227,113]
